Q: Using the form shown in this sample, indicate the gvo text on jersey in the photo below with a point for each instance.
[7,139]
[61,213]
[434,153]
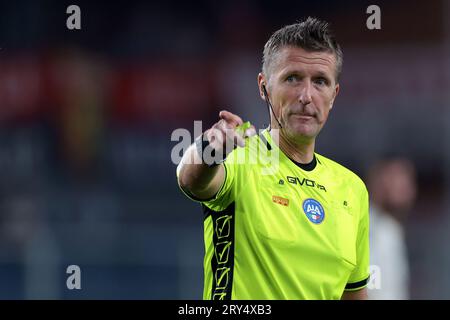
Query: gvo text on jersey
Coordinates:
[307,182]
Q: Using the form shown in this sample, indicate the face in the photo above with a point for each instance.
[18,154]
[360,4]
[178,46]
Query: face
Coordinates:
[302,88]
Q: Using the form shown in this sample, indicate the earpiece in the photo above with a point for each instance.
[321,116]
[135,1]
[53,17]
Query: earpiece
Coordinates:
[264,91]
[269,105]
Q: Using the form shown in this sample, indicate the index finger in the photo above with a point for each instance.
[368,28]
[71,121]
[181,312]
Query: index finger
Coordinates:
[230,118]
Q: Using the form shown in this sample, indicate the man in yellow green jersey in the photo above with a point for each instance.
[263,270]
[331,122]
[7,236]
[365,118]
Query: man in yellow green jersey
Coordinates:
[281,221]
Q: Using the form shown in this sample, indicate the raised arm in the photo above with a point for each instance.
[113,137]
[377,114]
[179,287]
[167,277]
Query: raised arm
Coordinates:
[198,175]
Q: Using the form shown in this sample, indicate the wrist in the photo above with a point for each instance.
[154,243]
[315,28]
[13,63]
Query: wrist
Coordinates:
[207,153]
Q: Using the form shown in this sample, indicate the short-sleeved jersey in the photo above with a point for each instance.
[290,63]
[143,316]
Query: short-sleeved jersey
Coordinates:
[280,230]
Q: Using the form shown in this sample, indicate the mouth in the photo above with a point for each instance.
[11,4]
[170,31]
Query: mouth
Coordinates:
[303,117]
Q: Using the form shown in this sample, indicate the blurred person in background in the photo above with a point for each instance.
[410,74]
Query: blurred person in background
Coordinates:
[392,186]
[80,83]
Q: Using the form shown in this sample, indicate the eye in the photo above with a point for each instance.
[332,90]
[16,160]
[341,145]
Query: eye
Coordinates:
[291,78]
[321,81]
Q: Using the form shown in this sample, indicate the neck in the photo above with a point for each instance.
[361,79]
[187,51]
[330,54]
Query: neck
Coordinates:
[301,150]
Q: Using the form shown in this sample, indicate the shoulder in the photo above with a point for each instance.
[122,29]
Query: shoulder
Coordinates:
[342,173]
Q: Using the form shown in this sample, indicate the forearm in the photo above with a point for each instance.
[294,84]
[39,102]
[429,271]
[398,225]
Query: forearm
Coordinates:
[355,295]
[198,178]
[202,180]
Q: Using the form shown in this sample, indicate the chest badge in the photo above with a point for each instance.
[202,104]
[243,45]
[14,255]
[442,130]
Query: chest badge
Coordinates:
[313,211]
[280,200]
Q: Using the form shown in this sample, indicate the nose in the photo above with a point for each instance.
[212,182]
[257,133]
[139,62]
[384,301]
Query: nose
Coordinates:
[305,93]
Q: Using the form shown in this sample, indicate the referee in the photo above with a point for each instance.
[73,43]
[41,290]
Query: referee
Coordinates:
[300,232]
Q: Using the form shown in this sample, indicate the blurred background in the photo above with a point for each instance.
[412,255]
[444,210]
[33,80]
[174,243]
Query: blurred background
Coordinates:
[86,118]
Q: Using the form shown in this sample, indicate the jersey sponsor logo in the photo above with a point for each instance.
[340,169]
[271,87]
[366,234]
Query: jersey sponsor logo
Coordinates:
[280,200]
[313,211]
[305,182]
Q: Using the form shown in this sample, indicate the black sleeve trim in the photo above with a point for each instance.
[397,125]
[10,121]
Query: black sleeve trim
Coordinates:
[356,285]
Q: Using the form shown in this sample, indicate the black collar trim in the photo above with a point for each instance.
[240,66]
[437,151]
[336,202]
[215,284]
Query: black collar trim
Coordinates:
[307,166]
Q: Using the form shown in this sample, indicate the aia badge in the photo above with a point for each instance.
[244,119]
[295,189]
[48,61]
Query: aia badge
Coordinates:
[313,210]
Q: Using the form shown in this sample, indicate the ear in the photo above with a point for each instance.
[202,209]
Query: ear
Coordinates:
[335,93]
[261,81]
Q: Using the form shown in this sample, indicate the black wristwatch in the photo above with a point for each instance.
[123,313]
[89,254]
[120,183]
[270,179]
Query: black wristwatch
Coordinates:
[202,144]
